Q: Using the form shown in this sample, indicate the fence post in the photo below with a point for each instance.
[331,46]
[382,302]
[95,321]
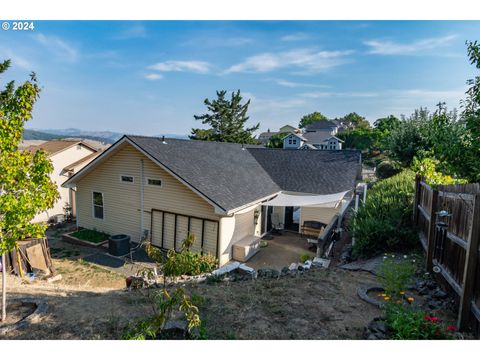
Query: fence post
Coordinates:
[471,260]
[416,200]
[431,230]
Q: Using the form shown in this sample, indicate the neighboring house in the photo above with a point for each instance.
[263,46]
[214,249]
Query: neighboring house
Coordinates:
[168,188]
[264,137]
[68,157]
[329,126]
[289,128]
[319,140]
[293,141]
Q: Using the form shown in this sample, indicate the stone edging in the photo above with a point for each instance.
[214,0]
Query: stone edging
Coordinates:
[362,293]
[41,309]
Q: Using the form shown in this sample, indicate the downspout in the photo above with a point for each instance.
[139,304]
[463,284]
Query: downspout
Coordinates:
[142,197]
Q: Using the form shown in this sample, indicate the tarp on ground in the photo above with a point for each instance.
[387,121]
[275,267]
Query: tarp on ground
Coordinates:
[284,199]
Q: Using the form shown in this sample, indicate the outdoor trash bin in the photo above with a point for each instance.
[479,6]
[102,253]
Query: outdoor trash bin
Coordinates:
[119,245]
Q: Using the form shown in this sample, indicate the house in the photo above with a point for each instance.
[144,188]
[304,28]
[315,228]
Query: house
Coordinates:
[264,137]
[293,141]
[68,157]
[167,188]
[329,126]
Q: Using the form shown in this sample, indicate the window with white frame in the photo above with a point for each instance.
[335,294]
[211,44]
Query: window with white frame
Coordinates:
[154,182]
[97,205]
[126,178]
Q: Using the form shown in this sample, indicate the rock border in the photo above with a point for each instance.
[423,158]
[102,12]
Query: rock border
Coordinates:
[362,293]
[42,308]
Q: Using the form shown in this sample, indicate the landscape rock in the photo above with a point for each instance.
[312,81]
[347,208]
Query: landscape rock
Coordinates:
[268,273]
[285,271]
[439,294]
[293,266]
[431,284]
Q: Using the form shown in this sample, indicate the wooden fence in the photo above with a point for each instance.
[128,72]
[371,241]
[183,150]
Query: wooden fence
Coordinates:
[451,243]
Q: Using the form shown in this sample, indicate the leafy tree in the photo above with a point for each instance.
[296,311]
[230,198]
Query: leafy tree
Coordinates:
[356,121]
[276,141]
[311,118]
[227,119]
[471,117]
[25,185]
[387,124]
[361,139]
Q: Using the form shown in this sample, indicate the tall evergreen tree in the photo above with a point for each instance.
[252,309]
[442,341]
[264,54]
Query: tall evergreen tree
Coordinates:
[227,119]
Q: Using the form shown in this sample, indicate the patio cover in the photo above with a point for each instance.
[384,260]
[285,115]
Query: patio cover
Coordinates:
[329,201]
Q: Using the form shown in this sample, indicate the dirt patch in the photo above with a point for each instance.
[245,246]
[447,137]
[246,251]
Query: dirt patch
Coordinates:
[321,304]
[18,311]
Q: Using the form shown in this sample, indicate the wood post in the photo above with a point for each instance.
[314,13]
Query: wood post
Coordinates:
[471,260]
[431,230]
[4,288]
[416,200]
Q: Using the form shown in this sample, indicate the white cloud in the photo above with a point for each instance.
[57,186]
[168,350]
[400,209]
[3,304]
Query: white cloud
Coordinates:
[58,46]
[293,84]
[385,47]
[17,60]
[132,32]
[295,37]
[153,76]
[305,59]
[200,67]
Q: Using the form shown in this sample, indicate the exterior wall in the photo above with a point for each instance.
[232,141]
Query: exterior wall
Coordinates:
[296,142]
[122,200]
[280,211]
[60,161]
[324,215]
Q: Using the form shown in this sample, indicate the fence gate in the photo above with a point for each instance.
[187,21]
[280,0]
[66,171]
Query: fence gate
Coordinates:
[451,242]
[168,230]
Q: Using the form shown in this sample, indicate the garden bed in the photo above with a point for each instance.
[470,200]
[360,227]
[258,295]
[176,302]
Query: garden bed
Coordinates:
[86,237]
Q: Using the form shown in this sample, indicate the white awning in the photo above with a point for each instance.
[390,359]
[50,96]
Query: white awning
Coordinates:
[330,200]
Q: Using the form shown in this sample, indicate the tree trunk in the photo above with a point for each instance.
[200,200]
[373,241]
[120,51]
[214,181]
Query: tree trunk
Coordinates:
[4,289]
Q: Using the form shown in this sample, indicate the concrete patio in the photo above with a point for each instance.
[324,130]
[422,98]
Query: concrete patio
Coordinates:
[281,251]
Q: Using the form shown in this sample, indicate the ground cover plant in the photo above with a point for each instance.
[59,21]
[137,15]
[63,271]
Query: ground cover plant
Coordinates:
[91,235]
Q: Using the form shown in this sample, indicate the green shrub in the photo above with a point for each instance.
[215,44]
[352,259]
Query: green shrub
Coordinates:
[188,263]
[164,305]
[395,275]
[384,222]
[91,235]
[387,169]
[406,323]
[305,256]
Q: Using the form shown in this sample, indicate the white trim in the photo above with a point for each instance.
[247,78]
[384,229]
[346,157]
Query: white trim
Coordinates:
[127,182]
[253,203]
[93,205]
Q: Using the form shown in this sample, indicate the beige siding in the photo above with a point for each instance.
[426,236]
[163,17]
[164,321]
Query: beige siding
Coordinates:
[122,200]
[59,162]
[323,215]
[244,226]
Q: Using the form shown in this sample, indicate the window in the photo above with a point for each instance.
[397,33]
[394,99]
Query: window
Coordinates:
[294,141]
[290,141]
[98,205]
[155,182]
[126,178]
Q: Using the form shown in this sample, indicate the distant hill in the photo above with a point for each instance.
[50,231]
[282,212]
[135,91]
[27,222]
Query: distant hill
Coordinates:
[37,135]
[108,137]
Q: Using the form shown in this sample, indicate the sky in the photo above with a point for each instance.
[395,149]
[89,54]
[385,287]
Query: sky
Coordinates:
[151,77]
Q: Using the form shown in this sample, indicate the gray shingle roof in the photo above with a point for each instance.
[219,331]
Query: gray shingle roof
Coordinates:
[315,172]
[321,125]
[223,172]
[317,137]
[232,175]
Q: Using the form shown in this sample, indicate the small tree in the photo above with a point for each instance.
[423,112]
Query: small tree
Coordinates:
[311,118]
[25,185]
[356,121]
[276,141]
[227,119]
